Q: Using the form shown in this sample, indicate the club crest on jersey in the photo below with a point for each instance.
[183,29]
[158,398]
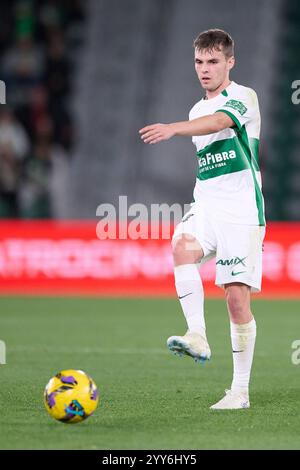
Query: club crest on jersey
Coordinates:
[210,158]
[237,105]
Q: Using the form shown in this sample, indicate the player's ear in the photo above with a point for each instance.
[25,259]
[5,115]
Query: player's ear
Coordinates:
[230,62]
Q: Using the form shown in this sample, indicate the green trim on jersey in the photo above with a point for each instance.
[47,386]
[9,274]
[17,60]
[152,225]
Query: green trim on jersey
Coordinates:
[232,116]
[250,149]
[254,149]
[224,93]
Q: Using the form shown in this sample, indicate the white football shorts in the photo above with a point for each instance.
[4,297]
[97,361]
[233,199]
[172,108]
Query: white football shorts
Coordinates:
[237,248]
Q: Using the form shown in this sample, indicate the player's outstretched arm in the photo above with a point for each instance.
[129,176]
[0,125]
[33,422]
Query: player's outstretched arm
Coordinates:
[201,126]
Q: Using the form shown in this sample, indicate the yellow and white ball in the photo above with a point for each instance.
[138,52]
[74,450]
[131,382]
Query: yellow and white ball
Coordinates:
[71,396]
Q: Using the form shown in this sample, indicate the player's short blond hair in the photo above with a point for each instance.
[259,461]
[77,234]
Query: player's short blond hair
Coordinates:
[215,39]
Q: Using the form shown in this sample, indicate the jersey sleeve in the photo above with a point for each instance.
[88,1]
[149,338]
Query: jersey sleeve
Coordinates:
[241,108]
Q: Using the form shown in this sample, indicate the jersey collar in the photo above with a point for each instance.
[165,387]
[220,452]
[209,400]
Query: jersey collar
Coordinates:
[222,93]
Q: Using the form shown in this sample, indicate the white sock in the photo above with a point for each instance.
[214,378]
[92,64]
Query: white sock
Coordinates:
[190,292]
[243,342]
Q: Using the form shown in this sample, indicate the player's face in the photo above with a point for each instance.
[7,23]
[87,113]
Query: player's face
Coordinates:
[212,68]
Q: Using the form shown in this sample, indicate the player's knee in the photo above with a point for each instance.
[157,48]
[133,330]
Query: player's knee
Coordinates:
[179,251]
[235,307]
[185,250]
[238,304]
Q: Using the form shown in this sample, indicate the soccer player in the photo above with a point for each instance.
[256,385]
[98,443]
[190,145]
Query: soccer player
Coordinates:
[226,219]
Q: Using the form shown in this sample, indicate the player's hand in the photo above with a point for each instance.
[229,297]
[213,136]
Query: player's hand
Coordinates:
[156,133]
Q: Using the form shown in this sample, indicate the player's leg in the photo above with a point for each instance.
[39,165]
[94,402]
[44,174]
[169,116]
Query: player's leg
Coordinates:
[243,334]
[244,263]
[191,245]
[187,252]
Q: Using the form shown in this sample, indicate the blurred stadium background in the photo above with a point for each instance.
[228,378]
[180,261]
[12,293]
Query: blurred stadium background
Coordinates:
[82,76]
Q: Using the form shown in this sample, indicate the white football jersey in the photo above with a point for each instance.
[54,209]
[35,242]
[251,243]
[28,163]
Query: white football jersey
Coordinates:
[228,182]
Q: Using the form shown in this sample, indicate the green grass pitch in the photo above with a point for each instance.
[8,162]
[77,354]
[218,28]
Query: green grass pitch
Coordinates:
[150,399]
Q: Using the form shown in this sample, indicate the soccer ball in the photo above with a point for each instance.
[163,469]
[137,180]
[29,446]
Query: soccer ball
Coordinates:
[71,396]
